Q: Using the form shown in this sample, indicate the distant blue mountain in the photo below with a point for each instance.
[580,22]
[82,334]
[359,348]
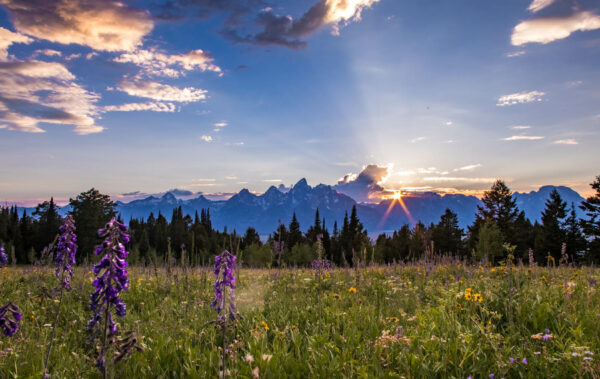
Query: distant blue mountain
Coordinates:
[265,211]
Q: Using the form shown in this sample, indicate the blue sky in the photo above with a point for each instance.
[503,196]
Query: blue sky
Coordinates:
[216,96]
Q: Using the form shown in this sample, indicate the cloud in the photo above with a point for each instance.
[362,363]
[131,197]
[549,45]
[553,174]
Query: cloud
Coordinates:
[160,92]
[176,10]
[468,167]
[102,25]
[449,123]
[520,98]
[147,106]
[520,127]
[34,92]
[219,125]
[7,38]
[48,52]
[287,31]
[538,5]
[548,29]
[418,139]
[569,141]
[458,179]
[522,138]
[206,138]
[515,54]
[272,180]
[365,186]
[156,63]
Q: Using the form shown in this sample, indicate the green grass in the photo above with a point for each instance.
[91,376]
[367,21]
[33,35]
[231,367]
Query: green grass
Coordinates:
[405,321]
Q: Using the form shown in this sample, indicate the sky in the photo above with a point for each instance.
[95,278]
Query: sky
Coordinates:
[138,97]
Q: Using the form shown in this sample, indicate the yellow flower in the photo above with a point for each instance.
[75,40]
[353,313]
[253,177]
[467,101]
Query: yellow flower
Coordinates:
[336,295]
[468,290]
[352,290]
[264,325]
[477,297]
[394,319]
[493,269]
[468,296]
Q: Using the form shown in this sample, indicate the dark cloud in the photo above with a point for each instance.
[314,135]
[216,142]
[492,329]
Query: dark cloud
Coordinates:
[364,187]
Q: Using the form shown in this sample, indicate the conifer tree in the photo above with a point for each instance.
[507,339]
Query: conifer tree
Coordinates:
[591,223]
[552,225]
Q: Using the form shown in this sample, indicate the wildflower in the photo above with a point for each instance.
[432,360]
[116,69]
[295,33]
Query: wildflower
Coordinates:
[65,252]
[111,279]
[3,257]
[352,290]
[336,296]
[267,357]
[524,361]
[511,360]
[249,358]
[588,359]
[9,325]
[575,354]
[477,297]
[225,279]
[265,325]
[491,376]
[468,296]
[394,319]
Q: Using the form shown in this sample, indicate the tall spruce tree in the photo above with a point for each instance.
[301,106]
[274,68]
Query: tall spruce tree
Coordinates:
[552,225]
[47,224]
[574,236]
[294,235]
[91,210]
[591,223]
[447,235]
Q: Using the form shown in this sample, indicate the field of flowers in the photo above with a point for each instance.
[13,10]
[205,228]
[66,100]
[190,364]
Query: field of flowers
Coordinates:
[419,320]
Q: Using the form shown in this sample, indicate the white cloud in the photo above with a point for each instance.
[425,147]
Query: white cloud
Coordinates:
[231,177]
[538,5]
[515,54]
[106,25]
[468,167]
[448,123]
[522,138]
[72,56]
[206,138]
[569,141]
[458,179]
[91,55]
[147,106]
[520,127]
[156,63]
[418,139]
[548,29]
[48,52]
[272,180]
[219,125]
[160,92]
[7,38]
[34,92]
[520,98]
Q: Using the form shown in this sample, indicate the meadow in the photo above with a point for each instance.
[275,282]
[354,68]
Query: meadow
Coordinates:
[417,320]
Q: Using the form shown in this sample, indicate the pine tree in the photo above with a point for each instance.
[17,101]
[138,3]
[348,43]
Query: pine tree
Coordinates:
[591,223]
[294,236]
[447,235]
[47,224]
[552,225]
[574,237]
[91,210]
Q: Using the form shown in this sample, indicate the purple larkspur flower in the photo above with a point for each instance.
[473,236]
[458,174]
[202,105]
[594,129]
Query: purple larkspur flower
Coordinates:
[524,361]
[511,360]
[491,376]
[111,279]
[8,324]
[3,257]
[224,284]
[65,251]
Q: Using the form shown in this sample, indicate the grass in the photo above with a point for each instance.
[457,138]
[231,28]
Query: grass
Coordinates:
[411,321]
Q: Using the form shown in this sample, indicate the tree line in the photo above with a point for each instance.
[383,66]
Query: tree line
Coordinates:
[499,229]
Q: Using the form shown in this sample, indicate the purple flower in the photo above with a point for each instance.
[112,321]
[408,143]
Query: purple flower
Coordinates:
[9,325]
[512,360]
[524,361]
[65,252]
[491,376]
[3,257]
[321,267]
[547,331]
[224,280]
[111,279]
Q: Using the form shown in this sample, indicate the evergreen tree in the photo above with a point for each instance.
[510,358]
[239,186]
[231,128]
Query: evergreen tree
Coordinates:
[553,232]
[574,237]
[91,210]
[447,235]
[498,207]
[591,223]
[47,224]
[490,242]
[250,238]
[294,235]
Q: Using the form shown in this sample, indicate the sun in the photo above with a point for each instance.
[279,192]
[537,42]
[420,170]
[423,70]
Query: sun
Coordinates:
[396,195]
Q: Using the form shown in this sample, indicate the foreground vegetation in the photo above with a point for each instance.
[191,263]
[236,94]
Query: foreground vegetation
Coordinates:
[417,320]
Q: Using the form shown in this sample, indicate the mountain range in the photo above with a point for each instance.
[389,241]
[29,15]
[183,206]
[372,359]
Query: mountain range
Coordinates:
[265,211]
